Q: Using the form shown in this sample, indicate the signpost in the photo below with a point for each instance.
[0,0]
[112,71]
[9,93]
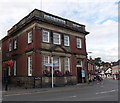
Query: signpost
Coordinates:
[83,73]
[52,72]
[51,65]
[55,65]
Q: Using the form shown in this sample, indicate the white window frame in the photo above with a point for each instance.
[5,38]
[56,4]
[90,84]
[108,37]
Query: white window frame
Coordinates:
[79,43]
[55,39]
[10,46]
[67,64]
[15,67]
[29,37]
[29,65]
[66,40]
[46,60]
[47,33]
[15,44]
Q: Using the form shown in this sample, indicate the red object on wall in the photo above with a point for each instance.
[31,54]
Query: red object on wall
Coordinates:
[9,63]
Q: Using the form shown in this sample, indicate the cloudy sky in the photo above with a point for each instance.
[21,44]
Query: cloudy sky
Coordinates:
[99,16]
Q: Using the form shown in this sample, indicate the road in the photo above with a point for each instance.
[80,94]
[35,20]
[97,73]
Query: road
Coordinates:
[107,90]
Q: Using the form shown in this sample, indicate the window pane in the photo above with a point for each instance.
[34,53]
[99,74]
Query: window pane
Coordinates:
[45,36]
[15,44]
[57,63]
[29,66]
[67,64]
[46,60]
[79,45]
[66,40]
[30,37]
[56,38]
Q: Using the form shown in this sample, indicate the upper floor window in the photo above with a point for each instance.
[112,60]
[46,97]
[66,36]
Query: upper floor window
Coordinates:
[66,40]
[45,36]
[15,44]
[56,38]
[29,65]
[10,46]
[29,37]
[67,64]
[79,43]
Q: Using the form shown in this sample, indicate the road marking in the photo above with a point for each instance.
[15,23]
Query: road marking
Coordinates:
[107,91]
[62,98]
[2,91]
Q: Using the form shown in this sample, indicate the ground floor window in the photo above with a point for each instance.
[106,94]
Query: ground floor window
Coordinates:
[46,61]
[67,64]
[29,65]
[15,67]
[57,63]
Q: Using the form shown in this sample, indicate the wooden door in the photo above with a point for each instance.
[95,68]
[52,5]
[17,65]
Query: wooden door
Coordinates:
[79,74]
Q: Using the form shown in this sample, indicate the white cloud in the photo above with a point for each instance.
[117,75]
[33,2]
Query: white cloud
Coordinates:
[97,15]
[103,40]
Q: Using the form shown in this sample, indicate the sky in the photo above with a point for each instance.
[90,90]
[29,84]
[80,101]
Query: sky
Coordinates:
[99,16]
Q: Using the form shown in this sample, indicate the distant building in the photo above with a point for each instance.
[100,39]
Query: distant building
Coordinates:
[108,72]
[116,71]
[34,40]
[91,69]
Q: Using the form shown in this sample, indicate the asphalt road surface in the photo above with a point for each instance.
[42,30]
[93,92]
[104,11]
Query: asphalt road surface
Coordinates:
[107,90]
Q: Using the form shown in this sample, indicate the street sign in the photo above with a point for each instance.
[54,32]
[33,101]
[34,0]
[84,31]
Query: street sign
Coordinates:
[83,73]
[50,65]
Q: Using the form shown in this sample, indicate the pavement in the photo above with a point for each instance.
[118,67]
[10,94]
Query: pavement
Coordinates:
[19,91]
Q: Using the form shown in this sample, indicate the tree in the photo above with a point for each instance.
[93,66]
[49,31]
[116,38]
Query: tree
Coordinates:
[97,61]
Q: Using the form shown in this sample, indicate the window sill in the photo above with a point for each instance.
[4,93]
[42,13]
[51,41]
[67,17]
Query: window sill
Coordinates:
[66,45]
[29,43]
[46,42]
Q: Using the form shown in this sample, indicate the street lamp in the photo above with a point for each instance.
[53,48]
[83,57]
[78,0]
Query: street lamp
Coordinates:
[52,71]
[6,74]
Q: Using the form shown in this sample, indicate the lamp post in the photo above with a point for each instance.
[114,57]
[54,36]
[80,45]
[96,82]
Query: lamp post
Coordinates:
[52,72]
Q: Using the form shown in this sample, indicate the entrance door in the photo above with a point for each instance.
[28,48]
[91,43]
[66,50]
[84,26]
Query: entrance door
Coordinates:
[79,74]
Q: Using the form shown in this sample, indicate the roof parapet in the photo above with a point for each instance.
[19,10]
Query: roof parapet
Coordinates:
[49,18]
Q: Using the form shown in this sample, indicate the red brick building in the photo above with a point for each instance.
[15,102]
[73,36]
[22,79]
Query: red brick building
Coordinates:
[35,39]
[91,68]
